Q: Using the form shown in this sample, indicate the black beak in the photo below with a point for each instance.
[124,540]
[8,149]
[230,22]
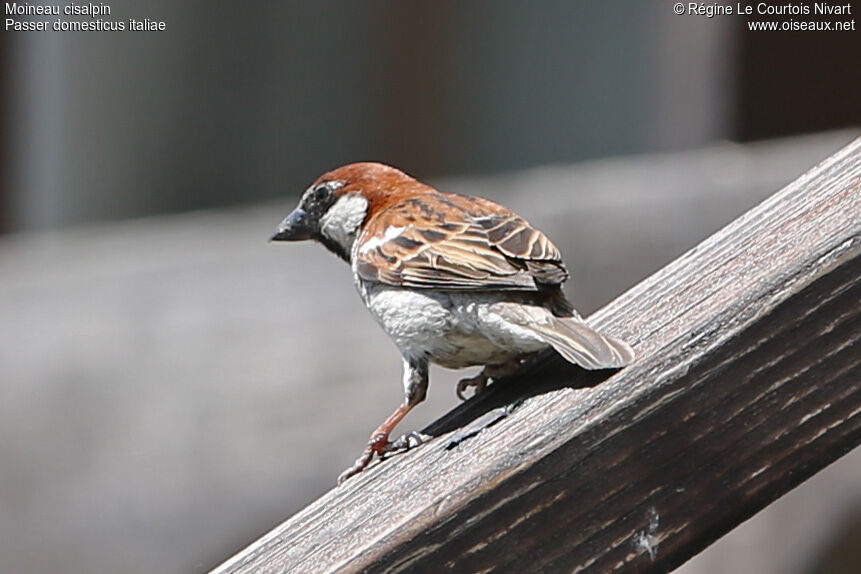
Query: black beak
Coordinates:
[295,227]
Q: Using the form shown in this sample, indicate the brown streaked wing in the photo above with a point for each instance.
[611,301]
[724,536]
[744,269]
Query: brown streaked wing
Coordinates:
[509,232]
[517,239]
[456,242]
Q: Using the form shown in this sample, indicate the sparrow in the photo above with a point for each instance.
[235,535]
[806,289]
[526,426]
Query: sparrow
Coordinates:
[454,280]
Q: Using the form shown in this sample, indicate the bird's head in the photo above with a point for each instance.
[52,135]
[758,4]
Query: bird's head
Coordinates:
[334,209]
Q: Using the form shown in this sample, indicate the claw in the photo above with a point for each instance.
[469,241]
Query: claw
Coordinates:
[381,446]
[357,467]
[406,442]
[479,382]
[489,372]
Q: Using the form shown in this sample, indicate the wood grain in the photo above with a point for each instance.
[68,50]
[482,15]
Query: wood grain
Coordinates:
[747,382]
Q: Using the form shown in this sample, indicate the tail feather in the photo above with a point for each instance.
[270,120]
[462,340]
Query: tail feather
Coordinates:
[580,344]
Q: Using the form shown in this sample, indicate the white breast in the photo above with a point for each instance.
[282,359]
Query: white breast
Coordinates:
[452,329]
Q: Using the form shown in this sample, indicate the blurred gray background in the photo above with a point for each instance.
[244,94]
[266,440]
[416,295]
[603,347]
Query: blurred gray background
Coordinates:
[172,386]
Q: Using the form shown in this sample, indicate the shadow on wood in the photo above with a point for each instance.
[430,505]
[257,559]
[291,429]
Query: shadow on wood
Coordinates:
[546,373]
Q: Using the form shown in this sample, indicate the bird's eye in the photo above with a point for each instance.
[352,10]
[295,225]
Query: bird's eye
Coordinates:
[321,192]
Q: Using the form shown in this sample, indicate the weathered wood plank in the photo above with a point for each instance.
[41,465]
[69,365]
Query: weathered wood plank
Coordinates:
[747,382]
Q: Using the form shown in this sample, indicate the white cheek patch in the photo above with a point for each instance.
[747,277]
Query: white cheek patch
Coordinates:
[341,222]
[374,242]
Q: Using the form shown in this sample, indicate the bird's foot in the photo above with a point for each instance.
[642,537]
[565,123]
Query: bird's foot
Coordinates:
[407,441]
[380,446]
[490,372]
[479,382]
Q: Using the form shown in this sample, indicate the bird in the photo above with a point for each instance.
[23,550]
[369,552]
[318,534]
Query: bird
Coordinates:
[454,280]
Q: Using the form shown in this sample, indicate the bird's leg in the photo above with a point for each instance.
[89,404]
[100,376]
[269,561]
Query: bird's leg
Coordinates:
[488,372]
[415,390]
[378,443]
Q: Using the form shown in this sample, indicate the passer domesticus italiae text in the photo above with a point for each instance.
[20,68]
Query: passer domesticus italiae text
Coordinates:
[454,280]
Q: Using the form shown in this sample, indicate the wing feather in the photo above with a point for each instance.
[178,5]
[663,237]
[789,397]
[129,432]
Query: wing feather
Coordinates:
[450,241]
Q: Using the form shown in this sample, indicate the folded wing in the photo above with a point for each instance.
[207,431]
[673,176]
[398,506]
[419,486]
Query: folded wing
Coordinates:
[448,241]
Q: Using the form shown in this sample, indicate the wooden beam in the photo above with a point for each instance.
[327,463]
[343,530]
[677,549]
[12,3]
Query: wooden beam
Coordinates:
[747,382]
